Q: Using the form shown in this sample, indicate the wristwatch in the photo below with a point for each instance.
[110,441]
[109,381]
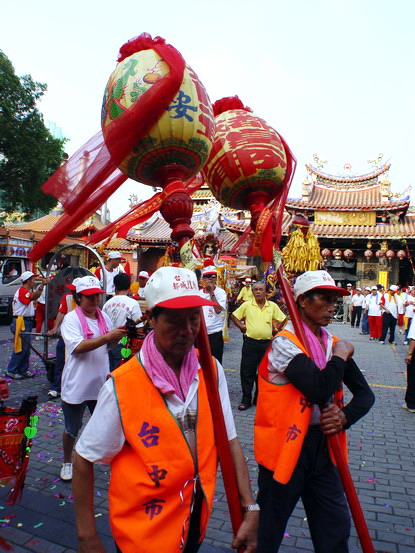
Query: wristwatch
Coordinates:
[249,508]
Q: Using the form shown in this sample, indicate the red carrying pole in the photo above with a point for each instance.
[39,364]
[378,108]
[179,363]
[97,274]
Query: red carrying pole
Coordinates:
[344,472]
[221,435]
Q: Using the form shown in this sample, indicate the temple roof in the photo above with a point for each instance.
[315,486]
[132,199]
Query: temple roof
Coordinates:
[366,178]
[362,199]
[47,222]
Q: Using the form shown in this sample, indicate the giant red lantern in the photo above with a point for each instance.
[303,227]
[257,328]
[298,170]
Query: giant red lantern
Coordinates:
[390,254]
[401,254]
[325,253]
[348,254]
[380,254]
[250,167]
[368,254]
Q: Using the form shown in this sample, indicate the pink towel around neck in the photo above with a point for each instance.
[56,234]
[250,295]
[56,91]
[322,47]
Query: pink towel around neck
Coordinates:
[86,331]
[162,375]
[318,355]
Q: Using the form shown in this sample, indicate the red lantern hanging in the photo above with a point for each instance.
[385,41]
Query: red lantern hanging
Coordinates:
[368,254]
[337,254]
[326,252]
[380,253]
[401,254]
[390,254]
[348,254]
[250,166]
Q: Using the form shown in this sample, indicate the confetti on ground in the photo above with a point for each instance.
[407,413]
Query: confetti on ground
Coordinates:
[287,535]
[371,480]
[37,525]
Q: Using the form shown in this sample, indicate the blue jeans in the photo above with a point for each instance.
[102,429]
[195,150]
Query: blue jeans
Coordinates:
[115,357]
[365,322]
[19,362]
[59,364]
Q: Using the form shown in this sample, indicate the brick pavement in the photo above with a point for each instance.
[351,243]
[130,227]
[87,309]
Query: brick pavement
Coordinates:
[380,461]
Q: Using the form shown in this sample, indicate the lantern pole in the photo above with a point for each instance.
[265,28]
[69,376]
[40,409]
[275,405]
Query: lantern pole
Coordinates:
[349,489]
[177,210]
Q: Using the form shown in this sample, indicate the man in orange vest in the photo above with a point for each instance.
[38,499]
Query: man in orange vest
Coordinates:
[293,455]
[154,426]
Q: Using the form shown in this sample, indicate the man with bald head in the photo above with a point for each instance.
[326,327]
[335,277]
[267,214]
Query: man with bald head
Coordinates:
[255,318]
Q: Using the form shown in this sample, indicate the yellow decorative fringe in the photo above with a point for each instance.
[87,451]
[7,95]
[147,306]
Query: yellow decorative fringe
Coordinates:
[302,254]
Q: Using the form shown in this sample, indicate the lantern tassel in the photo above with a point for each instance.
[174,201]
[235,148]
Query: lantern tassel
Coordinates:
[228,103]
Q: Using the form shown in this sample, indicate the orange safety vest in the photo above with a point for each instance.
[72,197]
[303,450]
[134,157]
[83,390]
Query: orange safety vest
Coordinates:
[153,477]
[282,420]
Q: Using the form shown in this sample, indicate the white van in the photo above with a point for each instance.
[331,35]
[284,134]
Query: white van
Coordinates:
[13,262]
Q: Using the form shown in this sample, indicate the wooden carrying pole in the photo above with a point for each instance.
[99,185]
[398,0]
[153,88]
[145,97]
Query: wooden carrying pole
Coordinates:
[349,489]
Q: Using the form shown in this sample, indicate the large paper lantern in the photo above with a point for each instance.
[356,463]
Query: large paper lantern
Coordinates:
[348,254]
[390,254]
[380,253]
[325,253]
[177,144]
[249,166]
[401,254]
[337,254]
[368,254]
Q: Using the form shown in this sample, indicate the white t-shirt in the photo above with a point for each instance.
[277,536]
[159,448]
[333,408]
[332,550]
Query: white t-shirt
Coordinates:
[109,288]
[84,373]
[372,303]
[409,309]
[120,307]
[22,303]
[100,443]
[358,300]
[214,321]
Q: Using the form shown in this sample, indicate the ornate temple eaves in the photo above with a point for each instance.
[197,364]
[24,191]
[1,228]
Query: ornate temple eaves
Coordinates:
[348,180]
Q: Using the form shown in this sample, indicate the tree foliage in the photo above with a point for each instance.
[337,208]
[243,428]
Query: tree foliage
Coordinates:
[29,154]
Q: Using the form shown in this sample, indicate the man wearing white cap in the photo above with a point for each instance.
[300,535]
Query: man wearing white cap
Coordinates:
[245,294]
[390,305]
[112,268]
[374,313]
[365,319]
[23,320]
[215,315]
[347,304]
[153,425]
[291,432]
[87,333]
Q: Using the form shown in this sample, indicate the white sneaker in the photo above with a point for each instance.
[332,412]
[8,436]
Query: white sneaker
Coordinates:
[66,472]
[406,343]
[53,394]
[404,406]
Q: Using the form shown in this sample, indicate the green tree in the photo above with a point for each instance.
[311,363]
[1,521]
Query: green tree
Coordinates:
[29,154]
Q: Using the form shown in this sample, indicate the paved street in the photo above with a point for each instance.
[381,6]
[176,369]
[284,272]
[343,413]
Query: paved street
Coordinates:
[380,447]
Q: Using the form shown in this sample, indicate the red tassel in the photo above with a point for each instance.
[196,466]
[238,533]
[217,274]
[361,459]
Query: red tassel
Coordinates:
[5,545]
[228,103]
[17,490]
[137,44]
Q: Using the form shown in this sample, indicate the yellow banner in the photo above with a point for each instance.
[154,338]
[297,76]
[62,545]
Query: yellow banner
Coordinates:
[353,218]
[383,278]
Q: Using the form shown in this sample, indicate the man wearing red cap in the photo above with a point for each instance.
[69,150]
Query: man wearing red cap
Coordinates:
[215,314]
[245,293]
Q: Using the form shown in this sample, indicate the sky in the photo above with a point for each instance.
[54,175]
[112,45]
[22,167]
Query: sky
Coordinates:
[334,77]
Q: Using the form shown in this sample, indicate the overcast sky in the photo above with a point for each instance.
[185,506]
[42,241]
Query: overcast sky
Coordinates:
[334,77]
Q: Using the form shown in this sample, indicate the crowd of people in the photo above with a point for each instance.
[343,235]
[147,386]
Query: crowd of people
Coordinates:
[163,458]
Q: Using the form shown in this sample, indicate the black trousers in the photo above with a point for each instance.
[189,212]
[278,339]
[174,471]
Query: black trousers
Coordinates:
[252,353]
[356,314]
[388,323]
[410,385]
[316,481]
[216,345]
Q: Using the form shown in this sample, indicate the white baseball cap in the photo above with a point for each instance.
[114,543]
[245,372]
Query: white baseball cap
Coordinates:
[88,285]
[174,288]
[315,280]
[209,270]
[393,287]
[248,280]
[348,284]
[26,275]
[367,288]
[143,274]
[358,289]
[115,255]
[374,288]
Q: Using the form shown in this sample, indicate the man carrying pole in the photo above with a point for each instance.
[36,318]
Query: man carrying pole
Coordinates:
[293,386]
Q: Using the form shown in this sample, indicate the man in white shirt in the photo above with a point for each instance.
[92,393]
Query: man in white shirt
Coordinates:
[214,315]
[358,300]
[347,303]
[390,305]
[374,313]
[112,268]
[118,308]
[365,318]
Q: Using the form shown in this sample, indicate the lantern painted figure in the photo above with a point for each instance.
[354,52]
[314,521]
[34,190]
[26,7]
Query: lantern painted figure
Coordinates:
[250,167]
